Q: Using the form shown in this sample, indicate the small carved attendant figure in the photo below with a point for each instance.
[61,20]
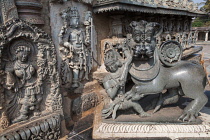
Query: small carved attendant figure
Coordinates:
[21,81]
[74,43]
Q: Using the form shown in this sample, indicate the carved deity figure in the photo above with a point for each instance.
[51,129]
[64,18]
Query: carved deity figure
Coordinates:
[21,81]
[75,45]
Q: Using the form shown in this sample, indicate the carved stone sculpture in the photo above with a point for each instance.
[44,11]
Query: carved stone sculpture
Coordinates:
[75,44]
[30,90]
[114,83]
[21,80]
[143,62]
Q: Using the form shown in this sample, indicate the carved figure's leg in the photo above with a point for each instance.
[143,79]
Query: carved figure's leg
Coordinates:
[195,92]
[76,78]
[170,97]
[37,106]
[137,107]
[137,92]
[23,114]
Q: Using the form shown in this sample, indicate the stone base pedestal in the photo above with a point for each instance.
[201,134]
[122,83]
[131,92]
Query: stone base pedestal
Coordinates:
[104,129]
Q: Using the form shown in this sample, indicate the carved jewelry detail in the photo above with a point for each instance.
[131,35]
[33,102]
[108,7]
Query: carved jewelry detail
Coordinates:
[170,53]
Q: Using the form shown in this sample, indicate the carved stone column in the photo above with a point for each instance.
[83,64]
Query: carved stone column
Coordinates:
[196,35]
[30,11]
[207,36]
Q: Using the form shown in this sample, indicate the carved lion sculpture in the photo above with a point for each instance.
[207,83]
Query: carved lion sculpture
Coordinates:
[154,69]
[176,76]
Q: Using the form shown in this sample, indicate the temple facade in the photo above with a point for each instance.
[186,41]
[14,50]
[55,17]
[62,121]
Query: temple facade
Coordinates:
[62,62]
[202,33]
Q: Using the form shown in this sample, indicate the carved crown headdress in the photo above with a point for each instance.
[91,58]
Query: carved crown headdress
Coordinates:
[21,45]
[70,12]
[74,12]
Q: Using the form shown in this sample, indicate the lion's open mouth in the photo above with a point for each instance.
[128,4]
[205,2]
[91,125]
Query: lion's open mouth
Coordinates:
[143,51]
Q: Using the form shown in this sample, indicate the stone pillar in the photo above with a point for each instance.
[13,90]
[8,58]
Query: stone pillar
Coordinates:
[207,36]
[196,35]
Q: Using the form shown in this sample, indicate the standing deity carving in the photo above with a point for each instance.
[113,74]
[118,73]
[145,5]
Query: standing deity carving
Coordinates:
[29,82]
[76,44]
[21,82]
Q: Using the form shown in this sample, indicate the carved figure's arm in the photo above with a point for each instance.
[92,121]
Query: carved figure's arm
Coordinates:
[10,80]
[111,86]
[127,62]
[61,35]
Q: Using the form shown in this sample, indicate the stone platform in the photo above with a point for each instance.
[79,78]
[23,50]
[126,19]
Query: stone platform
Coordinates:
[132,126]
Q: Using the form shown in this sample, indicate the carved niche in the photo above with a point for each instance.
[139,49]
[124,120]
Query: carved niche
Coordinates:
[76,47]
[29,83]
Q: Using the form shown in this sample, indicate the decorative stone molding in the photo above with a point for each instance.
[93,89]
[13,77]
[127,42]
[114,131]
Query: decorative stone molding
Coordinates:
[112,130]
[30,11]
[47,128]
[181,6]
[140,128]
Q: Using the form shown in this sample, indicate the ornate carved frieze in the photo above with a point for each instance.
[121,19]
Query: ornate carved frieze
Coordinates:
[76,46]
[177,5]
[43,129]
[29,75]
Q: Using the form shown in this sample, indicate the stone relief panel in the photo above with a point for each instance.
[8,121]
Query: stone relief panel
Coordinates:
[75,46]
[29,76]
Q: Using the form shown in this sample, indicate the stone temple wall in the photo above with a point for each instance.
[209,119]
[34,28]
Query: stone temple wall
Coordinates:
[52,62]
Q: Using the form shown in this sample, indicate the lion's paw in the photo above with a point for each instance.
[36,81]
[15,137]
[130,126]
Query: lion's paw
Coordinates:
[188,116]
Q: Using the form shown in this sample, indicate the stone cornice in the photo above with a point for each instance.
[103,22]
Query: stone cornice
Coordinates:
[125,5]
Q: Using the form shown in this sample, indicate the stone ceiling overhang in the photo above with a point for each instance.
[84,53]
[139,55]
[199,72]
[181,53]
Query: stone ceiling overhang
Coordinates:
[130,6]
